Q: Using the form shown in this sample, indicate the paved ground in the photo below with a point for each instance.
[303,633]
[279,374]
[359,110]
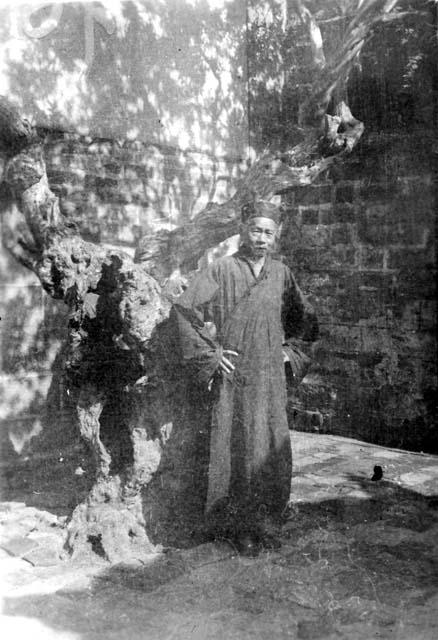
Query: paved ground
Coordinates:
[359,561]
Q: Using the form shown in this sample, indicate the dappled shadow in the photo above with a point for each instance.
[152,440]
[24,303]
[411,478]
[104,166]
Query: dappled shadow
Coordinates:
[359,565]
[34,398]
[159,112]
[189,53]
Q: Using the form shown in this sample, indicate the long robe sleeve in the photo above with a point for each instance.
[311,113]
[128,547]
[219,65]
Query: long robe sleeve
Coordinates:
[199,350]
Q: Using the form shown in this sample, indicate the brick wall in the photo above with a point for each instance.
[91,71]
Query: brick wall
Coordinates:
[33,401]
[363,244]
[118,192]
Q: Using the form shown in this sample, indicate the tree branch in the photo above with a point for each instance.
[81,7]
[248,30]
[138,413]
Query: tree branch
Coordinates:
[164,252]
[368,13]
[314,31]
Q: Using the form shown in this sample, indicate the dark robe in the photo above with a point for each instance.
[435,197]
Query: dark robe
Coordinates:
[250,462]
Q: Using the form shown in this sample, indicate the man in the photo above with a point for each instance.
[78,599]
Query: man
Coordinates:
[234,322]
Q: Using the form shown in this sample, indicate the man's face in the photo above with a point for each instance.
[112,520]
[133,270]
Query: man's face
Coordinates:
[259,236]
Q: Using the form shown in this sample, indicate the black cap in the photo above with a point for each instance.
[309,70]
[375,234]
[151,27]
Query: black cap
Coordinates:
[261,209]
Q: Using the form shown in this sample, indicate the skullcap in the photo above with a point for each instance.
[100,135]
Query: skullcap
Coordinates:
[261,209]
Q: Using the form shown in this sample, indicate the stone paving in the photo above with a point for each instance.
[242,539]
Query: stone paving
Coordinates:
[359,560]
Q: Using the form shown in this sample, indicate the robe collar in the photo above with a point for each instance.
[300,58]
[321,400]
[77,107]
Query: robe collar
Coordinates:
[244,255]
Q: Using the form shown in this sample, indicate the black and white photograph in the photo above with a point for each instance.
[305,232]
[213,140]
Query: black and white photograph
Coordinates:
[218,305]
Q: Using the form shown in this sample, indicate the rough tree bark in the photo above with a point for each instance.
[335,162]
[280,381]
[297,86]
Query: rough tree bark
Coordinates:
[119,307]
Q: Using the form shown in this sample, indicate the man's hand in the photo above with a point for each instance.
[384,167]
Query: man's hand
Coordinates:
[224,364]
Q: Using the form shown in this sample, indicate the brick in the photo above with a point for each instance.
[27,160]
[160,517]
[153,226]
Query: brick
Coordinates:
[343,213]
[364,296]
[337,364]
[353,168]
[291,216]
[341,234]
[428,315]
[60,177]
[407,366]
[372,257]
[336,257]
[344,193]
[377,212]
[383,282]
[372,232]
[344,339]
[310,216]
[379,191]
[80,196]
[313,194]
[420,209]
[416,186]
[304,258]
[325,214]
[327,308]
[408,260]
[369,304]
[288,198]
[344,309]
[369,360]
[105,183]
[322,284]
[60,190]
[133,172]
[406,233]
[422,284]
[22,316]
[113,167]
[312,236]
[90,183]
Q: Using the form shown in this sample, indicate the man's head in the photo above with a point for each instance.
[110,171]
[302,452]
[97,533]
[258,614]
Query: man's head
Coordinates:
[260,227]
